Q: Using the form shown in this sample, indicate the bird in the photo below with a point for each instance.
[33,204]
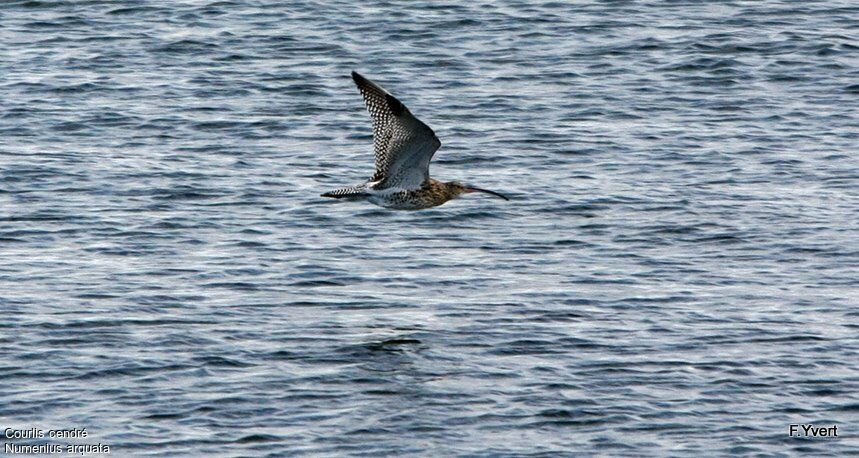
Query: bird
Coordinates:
[403,148]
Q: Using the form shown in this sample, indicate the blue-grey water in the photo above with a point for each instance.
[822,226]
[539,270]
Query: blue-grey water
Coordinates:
[676,273]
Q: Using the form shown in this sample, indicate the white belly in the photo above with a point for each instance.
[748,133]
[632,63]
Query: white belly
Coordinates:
[395,199]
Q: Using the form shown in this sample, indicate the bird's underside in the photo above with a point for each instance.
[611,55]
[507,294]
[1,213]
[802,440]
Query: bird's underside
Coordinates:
[403,147]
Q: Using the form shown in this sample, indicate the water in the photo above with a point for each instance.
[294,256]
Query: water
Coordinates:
[675,273]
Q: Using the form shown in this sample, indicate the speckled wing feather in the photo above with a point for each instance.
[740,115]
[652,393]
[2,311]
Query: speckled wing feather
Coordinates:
[403,145]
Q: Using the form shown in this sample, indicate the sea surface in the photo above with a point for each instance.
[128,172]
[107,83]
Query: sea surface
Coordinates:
[676,274]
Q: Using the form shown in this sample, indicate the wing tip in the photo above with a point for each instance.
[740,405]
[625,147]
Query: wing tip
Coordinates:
[363,84]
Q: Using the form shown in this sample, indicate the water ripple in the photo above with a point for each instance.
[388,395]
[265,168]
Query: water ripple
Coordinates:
[673,275]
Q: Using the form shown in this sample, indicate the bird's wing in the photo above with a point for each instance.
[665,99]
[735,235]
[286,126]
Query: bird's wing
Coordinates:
[403,145]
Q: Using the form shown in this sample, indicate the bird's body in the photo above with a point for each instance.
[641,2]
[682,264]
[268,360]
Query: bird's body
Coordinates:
[403,147]
[431,194]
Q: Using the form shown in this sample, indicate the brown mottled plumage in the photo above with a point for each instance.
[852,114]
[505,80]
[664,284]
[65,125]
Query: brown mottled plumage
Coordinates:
[403,147]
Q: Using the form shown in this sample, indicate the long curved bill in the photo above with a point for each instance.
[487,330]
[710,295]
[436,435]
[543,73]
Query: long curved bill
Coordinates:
[472,189]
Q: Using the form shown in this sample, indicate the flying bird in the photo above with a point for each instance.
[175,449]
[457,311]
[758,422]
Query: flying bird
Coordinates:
[403,146]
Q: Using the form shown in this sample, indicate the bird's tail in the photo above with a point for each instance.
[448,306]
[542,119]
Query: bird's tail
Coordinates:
[352,193]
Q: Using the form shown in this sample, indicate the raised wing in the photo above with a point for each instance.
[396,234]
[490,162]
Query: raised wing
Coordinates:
[402,144]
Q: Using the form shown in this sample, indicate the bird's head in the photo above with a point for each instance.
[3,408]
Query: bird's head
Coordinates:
[462,188]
